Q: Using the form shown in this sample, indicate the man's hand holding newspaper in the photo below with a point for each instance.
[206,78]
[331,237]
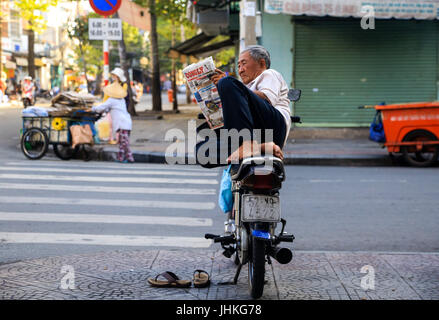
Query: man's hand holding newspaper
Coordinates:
[217,76]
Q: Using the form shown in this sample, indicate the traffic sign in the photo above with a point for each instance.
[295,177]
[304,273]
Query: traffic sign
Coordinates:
[105,7]
[104,29]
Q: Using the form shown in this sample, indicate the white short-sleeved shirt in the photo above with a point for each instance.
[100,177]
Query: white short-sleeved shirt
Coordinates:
[272,84]
[119,114]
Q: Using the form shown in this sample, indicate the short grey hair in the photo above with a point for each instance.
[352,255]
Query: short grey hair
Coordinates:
[257,53]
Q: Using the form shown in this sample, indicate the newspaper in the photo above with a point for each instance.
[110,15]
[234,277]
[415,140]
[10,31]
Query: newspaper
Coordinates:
[198,77]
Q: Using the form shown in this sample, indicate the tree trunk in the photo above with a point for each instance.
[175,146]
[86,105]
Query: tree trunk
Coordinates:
[98,90]
[174,78]
[155,83]
[31,53]
[124,65]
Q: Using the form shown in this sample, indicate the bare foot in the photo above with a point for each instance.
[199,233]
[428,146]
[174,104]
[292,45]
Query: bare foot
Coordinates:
[270,148]
[246,150]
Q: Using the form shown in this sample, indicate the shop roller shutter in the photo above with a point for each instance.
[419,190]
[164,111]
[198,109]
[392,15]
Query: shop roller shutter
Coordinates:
[340,66]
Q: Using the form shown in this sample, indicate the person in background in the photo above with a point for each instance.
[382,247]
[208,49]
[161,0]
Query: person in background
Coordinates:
[114,102]
[139,90]
[28,89]
[3,96]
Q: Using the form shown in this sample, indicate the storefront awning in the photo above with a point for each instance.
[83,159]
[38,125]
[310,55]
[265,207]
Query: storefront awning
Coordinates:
[21,61]
[195,46]
[383,9]
[39,62]
[10,65]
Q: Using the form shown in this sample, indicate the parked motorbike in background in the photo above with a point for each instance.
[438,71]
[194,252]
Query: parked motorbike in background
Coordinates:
[27,98]
[256,183]
[45,94]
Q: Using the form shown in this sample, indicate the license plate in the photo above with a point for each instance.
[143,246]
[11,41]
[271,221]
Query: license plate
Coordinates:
[260,208]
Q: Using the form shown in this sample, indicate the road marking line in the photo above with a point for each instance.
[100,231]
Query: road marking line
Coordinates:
[108,179]
[98,171]
[121,167]
[79,188]
[103,240]
[361,180]
[110,202]
[101,218]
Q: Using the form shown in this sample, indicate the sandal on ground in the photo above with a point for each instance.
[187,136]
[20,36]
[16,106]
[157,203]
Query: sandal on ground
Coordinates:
[201,279]
[172,281]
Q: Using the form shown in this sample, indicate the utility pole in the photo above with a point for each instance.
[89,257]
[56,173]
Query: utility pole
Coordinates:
[247,20]
[1,36]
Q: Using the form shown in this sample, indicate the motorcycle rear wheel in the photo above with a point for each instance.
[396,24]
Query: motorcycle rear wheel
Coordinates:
[26,103]
[256,268]
[64,152]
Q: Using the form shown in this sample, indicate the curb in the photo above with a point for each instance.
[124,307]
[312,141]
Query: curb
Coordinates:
[109,154]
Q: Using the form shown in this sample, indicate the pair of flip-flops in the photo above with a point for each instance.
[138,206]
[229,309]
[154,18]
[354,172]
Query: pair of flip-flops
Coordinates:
[201,279]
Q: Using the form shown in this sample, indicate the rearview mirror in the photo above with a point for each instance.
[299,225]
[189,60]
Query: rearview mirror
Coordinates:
[294,94]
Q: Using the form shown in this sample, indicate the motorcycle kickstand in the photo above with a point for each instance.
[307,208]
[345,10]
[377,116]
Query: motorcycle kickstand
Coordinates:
[235,279]
[238,271]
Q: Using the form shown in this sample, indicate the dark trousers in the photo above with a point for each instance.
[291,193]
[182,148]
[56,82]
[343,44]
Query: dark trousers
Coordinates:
[243,109]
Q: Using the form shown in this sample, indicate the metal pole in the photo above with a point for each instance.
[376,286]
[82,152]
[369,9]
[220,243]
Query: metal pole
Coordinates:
[1,31]
[247,17]
[106,62]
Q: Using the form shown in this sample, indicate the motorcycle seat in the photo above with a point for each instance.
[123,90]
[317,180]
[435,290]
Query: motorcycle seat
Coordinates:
[258,165]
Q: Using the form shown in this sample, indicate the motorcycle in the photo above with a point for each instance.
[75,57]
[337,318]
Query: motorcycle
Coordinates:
[45,94]
[28,99]
[256,183]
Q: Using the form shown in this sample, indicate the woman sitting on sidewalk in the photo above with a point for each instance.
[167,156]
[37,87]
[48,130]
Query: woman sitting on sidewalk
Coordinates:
[114,102]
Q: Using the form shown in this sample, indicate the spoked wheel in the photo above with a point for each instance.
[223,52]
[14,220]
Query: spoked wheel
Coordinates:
[26,103]
[34,143]
[256,268]
[424,157]
[64,152]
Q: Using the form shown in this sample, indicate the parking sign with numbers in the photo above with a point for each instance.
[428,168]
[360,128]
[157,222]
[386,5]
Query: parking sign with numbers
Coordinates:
[104,29]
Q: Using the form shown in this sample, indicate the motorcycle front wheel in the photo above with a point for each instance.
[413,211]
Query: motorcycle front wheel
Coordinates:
[26,103]
[256,268]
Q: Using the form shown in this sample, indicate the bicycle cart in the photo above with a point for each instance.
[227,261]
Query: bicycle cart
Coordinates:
[412,129]
[39,132]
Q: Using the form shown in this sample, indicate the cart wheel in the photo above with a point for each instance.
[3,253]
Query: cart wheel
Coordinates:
[64,152]
[420,158]
[34,143]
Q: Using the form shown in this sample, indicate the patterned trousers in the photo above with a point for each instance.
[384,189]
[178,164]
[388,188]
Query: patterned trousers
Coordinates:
[124,146]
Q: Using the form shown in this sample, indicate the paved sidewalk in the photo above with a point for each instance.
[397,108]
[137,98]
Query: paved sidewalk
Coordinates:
[305,146]
[308,146]
[310,276]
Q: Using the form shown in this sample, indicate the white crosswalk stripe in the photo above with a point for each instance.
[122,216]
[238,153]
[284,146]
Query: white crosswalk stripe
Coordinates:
[104,218]
[107,179]
[105,240]
[97,171]
[52,188]
[105,165]
[112,203]
[78,188]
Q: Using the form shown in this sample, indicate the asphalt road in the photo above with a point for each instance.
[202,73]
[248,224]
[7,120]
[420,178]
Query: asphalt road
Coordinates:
[52,207]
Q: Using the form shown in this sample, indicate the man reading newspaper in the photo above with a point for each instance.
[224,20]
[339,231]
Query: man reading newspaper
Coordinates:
[260,101]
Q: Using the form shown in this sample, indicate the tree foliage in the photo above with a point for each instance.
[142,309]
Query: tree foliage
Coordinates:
[30,10]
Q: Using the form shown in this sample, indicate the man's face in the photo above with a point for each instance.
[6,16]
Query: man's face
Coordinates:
[248,68]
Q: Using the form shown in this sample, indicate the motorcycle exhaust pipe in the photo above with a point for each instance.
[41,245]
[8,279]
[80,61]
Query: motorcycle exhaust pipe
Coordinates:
[281,255]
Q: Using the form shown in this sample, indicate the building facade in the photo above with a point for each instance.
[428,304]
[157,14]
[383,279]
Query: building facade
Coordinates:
[324,50]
